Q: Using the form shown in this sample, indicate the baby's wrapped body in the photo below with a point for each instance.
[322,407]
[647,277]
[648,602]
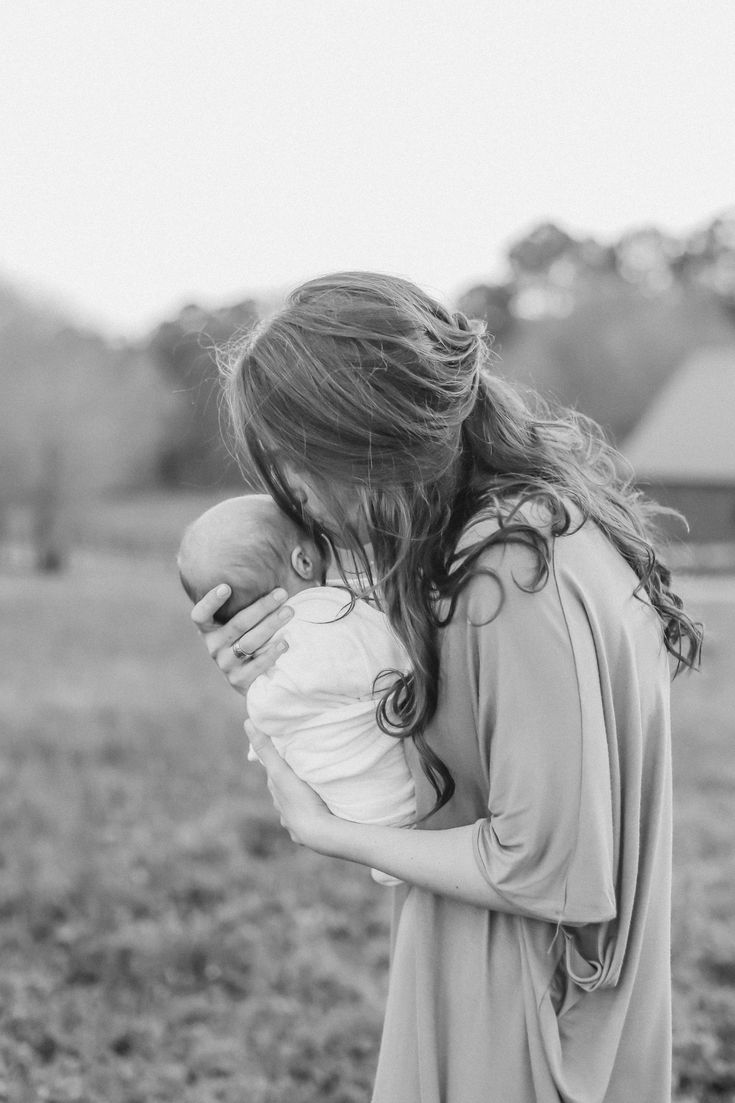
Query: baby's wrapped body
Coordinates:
[318,706]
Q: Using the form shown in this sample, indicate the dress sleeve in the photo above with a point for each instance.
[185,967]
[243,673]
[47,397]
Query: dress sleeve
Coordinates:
[546,846]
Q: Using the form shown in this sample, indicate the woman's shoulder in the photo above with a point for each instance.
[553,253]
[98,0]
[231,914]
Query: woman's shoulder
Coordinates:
[322,604]
[538,512]
[573,562]
[508,552]
[498,529]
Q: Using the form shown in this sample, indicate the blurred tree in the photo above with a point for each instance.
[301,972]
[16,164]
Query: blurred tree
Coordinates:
[609,356]
[78,416]
[648,258]
[600,327]
[195,454]
[48,532]
[551,271]
[708,259]
[535,253]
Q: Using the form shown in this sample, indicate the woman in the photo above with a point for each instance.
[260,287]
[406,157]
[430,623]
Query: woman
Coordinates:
[531,948]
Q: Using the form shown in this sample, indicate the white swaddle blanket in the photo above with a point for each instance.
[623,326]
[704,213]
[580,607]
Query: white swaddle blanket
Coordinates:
[318,702]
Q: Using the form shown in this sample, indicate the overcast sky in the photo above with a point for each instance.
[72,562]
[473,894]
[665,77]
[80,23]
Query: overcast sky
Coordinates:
[159,151]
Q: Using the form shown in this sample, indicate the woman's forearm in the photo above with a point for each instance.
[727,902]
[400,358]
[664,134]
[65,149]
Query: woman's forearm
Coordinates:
[440,861]
[444,862]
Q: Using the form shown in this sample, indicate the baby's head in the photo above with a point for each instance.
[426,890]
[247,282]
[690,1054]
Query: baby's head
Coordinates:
[250,544]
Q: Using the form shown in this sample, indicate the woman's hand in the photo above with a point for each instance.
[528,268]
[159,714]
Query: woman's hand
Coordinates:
[304,814]
[251,630]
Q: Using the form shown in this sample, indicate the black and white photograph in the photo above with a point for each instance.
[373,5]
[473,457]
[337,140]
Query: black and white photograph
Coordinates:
[367,551]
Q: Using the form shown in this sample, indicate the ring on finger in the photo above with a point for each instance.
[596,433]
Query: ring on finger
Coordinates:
[240,653]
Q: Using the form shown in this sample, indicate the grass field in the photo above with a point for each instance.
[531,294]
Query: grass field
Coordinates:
[162,939]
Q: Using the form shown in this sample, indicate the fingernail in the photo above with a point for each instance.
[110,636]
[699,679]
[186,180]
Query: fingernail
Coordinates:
[222,591]
[279,595]
[283,646]
[286,613]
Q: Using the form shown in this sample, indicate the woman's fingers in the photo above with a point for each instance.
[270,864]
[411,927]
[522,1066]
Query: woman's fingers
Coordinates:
[252,627]
[253,639]
[264,749]
[203,612]
[241,675]
[303,813]
[252,630]
[242,622]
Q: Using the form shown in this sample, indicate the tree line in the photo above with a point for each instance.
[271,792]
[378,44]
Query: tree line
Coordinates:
[601,327]
[596,326]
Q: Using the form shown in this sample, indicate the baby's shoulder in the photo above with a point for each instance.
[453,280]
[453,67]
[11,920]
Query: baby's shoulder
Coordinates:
[321,605]
[331,632]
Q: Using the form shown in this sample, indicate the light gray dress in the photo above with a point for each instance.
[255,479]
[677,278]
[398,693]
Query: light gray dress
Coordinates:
[554,720]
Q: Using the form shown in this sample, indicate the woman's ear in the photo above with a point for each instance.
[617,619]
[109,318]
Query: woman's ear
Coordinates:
[303,563]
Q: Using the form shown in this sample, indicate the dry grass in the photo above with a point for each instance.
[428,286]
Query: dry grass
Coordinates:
[704,861]
[162,939]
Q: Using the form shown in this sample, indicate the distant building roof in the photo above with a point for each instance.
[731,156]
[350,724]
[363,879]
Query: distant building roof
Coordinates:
[688,433]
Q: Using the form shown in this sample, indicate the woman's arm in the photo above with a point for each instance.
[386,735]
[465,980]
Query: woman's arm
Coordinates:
[441,861]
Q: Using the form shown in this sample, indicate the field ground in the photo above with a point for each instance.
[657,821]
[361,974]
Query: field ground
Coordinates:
[162,940]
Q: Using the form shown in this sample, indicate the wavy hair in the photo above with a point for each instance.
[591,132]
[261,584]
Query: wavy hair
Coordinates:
[377,394]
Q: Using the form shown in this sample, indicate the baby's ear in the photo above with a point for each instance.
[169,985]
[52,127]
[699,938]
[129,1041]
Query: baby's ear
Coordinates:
[304,563]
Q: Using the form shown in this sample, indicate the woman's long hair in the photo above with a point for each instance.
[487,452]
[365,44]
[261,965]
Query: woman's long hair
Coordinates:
[376,393]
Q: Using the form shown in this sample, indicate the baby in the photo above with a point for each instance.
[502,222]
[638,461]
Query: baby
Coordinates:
[318,702]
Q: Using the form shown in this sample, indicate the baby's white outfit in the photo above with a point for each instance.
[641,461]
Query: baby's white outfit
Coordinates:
[318,703]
